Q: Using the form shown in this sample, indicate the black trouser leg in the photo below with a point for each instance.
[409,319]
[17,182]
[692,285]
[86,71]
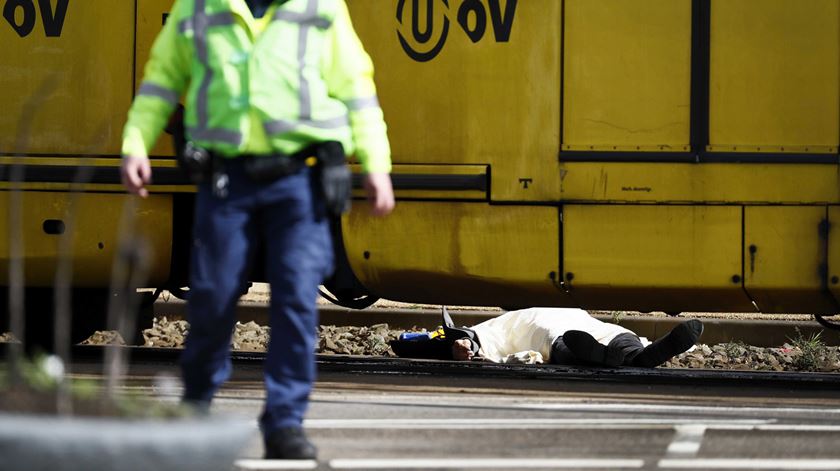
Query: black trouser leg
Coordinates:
[629,345]
[678,340]
[561,355]
[577,347]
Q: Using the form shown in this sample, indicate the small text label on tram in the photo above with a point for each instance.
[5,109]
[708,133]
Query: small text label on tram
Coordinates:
[22,16]
[473,16]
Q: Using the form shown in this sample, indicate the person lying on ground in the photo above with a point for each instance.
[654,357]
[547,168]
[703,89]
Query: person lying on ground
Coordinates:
[551,335]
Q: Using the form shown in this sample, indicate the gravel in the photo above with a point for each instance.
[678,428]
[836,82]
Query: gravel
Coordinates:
[252,337]
[801,354]
[737,356]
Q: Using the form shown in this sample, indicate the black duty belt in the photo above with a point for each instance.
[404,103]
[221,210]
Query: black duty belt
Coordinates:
[262,168]
[327,159]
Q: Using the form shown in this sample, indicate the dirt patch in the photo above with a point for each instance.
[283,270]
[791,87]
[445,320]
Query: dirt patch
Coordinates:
[801,354]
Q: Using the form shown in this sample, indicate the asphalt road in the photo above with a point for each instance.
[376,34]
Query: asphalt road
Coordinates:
[428,421]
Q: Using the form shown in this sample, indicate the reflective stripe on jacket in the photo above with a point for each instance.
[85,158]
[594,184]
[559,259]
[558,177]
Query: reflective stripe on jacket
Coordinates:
[303,78]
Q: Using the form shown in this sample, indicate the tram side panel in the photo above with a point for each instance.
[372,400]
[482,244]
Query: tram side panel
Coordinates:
[626,77]
[763,131]
[470,94]
[664,185]
[66,82]
[773,86]
[509,122]
[775,91]
[763,125]
[470,82]
[66,78]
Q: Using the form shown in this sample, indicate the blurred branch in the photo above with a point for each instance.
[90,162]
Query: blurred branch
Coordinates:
[63,286]
[63,301]
[17,321]
[130,272]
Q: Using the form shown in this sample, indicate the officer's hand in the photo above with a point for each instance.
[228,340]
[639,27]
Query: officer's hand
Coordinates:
[380,194]
[136,173]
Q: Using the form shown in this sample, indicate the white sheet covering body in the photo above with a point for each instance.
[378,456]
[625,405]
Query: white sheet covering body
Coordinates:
[509,337]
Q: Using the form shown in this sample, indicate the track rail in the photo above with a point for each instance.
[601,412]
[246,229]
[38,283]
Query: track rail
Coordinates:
[386,366]
[757,332]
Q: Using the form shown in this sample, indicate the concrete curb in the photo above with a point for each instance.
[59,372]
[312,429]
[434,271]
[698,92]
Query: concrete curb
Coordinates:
[61,443]
[760,333]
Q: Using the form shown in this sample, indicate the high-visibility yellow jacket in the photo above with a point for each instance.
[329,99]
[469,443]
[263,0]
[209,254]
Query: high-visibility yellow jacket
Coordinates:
[298,75]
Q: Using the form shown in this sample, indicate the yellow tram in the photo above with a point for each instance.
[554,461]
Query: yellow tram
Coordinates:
[673,155]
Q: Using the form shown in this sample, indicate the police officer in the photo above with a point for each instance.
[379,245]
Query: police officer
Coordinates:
[261,79]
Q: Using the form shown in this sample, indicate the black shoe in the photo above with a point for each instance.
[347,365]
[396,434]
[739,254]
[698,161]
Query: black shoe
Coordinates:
[587,349]
[289,444]
[678,340]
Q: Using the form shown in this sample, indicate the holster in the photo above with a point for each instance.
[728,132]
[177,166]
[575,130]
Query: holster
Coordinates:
[194,161]
[198,163]
[334,175]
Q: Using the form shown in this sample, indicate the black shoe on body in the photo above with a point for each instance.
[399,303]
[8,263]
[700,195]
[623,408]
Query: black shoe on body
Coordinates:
[289,444]
[678,340]
[589,350]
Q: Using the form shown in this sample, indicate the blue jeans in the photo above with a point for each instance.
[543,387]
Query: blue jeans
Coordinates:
[288,216]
